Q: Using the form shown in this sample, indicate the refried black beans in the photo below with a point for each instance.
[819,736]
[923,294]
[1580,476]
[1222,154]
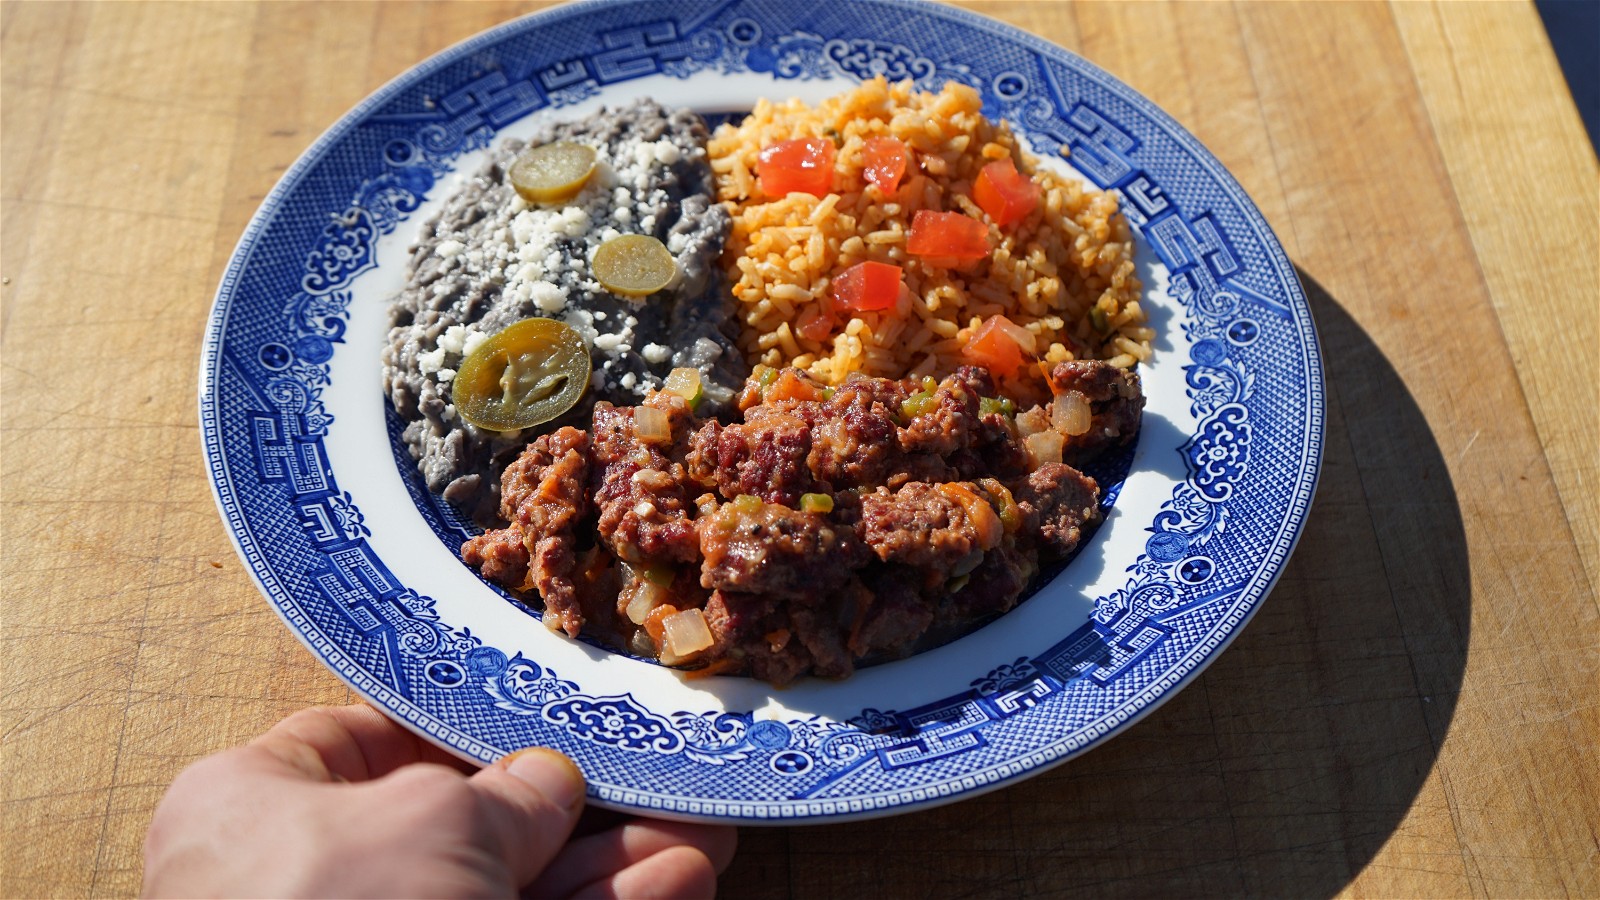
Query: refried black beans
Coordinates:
[491,258]
[824,527]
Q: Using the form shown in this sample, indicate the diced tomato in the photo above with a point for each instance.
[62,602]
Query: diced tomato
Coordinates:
[791,386]
[1004,193]
[947,236]
[803,165]
[814,325]
[867,286]
[883,161]
[993,347]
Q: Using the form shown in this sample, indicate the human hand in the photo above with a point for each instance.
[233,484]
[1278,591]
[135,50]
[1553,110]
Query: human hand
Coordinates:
[342,802]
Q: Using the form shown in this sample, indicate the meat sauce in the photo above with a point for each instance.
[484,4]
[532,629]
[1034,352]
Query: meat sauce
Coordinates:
[823,528]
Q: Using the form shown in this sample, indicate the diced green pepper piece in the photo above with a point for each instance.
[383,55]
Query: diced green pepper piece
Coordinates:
[1097,318]
[659,574]
[1001,405]
[917,404]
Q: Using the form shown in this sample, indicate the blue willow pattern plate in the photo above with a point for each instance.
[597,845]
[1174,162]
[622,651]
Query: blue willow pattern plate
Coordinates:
[361,563]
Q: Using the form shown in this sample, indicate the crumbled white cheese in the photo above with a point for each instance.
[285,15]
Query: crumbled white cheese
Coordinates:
[448,249]
[655,353]
[667,152]
[453,339]
[431,361]
[550,298]
[572,222]
[608,342]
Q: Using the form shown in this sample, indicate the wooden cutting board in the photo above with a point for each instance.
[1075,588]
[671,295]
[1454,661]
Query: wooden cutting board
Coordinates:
[1412,713]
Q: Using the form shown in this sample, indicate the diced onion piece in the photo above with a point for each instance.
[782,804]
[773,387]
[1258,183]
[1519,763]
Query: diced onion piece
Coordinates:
[650,425]
[646,597]
[686,634]
[1045,447]
[1033,421]
[816,503]
[685,382]
[641,645]
[1070,414]
[639,607]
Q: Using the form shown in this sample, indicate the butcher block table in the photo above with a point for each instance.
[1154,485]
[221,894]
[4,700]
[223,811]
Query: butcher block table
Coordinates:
[1412,713]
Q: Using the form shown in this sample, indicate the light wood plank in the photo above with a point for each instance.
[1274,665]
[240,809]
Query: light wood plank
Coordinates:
[1523,170]
[1341,174]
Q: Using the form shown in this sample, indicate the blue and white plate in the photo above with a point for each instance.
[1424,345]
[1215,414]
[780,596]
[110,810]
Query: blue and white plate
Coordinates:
[362,564]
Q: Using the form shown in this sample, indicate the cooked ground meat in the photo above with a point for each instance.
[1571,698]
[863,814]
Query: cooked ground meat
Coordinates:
[545,491]
[639,490]
[824,528]
[764,456]
[948,427]
[1116,402]
[1057,501]
[755,547]
[926,528]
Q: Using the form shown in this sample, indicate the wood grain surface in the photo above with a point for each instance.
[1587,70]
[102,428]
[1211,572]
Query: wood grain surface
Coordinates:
[1412,713]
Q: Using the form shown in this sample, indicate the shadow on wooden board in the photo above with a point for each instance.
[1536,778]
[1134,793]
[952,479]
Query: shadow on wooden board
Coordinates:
[1284,768]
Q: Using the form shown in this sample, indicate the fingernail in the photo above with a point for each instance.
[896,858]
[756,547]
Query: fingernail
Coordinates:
[551,773]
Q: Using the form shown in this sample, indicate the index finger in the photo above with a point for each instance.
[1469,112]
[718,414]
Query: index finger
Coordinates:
[348,743]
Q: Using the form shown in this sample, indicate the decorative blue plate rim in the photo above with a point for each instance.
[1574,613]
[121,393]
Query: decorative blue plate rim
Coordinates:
[1246,468]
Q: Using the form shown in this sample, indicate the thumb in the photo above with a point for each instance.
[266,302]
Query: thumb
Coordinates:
[531,799]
